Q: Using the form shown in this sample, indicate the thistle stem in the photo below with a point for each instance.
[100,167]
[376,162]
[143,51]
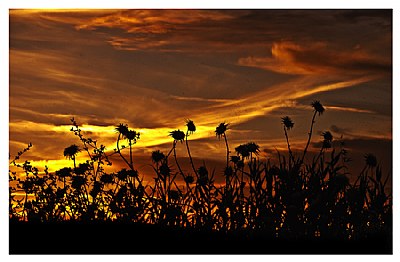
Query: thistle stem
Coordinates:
[119,152]
[288,144]
[176,159]
[190,156]
[309,136]
[227,149]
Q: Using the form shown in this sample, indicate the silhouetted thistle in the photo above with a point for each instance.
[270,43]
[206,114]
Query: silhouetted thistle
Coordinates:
[178,135]
[122,129]
[370,160]
[246,149]
[71,152]
[191,127]
[327,136]
[132,135]
[221,129]
[318,108]
[327,142]
[157,156]
[287,125]
[253,148]
[287,122]
[243,150]
[164,169]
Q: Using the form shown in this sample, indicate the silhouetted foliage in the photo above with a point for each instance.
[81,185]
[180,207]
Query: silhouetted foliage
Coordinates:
[288,199]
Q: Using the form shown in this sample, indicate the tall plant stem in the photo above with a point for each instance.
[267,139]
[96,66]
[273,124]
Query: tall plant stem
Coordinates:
[119,152]
[227,149]
[176,159]
[288,145]
[309,136]
[190,156]
[130,153]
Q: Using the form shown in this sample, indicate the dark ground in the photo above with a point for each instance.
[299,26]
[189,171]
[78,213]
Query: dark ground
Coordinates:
[120,238]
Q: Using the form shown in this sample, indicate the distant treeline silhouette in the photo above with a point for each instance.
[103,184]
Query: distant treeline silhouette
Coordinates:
[288,199]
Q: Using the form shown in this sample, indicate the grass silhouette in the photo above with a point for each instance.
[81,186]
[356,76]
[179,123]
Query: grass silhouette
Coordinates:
[262,207]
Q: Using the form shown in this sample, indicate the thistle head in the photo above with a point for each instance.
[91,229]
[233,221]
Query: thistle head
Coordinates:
[122,129]
[245,149]
[165,170]
[318,107]
[327,136]
[287,122]
[221,129]
[191,127]
[71,151]
[242,150]
[132,135]
[157,156]
[253,148]
[177,135]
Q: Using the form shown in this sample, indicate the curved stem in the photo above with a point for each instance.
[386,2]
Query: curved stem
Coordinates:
[130,153]
[190,156]
[227,149]
[119,152]
[176,160]
[288,144]
[309,136]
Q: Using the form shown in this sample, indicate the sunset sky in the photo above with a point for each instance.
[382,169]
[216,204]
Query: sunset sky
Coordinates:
[153,69]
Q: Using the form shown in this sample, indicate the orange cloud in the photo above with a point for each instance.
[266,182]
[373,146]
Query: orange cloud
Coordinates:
[152,21]
[317,59]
